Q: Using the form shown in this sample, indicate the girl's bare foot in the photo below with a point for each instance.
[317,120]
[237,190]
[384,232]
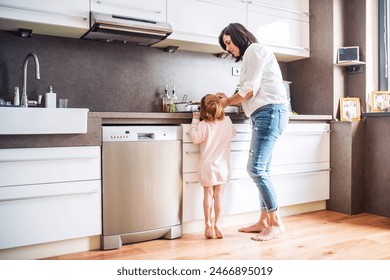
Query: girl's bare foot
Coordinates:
[252,228]
[268,233]
[209,232]
[218,232]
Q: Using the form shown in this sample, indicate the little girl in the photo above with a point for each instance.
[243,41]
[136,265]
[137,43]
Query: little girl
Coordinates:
[214,134]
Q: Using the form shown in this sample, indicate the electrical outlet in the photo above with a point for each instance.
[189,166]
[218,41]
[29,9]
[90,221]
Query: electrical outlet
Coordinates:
[236,71]
[355,69]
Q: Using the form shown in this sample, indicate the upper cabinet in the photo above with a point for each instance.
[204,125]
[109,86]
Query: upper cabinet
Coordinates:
[198,23]
[154,10]
[282,25]
[50,17]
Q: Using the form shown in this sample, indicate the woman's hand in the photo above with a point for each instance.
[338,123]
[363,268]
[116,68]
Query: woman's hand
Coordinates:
[221,95]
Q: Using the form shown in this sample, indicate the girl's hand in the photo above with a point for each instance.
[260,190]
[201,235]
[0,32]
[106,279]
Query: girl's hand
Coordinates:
[196,115]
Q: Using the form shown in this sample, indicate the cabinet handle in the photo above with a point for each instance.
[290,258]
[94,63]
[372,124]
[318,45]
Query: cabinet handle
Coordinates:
[231,179]
[279,8]
[213,36]
[193,153]
[192,182]
[49,158]
[238,132]
[313,132]
[302,172]
[288,47]
[244,132]
[282,174]
[127,6]
[49,196]
[220,3]
[41,11]
[233,151]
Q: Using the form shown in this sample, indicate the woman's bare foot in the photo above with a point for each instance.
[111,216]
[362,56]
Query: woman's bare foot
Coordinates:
[218,232]
[209,232]
[269,233]
[252,228]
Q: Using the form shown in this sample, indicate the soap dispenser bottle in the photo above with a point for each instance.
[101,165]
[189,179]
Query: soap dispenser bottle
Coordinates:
[16,97]
[50,98]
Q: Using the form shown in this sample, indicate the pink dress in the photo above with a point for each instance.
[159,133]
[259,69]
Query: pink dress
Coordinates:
[214,139]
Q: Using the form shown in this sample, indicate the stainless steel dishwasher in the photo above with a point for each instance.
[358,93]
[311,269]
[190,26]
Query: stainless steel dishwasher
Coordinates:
[142,184]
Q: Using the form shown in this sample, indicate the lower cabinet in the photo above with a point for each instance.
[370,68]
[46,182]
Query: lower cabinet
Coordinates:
[300,170]
[49,194]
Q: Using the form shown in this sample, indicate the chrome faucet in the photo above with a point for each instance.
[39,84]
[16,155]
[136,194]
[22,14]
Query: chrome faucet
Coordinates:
[24,102]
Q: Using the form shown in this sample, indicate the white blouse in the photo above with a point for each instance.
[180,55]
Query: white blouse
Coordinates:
[260,73]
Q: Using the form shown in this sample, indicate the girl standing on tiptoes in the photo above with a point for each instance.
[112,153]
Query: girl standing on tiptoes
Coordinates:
[264,100]
[214,134]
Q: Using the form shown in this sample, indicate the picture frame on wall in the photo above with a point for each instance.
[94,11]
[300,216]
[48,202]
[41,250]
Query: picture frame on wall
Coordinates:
[350,109]
[379,100]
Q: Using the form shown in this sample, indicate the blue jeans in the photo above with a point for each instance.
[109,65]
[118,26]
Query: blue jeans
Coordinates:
[268,123]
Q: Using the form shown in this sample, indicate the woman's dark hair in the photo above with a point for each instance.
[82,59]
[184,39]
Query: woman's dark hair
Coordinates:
[239,35]
[211,108]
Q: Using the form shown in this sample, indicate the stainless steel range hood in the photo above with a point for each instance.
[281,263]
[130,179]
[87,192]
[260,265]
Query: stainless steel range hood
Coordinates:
[105,27]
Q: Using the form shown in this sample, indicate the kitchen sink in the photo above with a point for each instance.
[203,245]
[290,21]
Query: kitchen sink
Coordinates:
[18,120]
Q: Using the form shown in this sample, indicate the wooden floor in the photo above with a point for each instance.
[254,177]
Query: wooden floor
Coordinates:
[313,236]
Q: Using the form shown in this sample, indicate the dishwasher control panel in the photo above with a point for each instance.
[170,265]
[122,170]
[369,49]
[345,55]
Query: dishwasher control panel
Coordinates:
[141,133]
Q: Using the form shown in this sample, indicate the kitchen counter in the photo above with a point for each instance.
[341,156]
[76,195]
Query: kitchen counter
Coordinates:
[180,118]
[97,119]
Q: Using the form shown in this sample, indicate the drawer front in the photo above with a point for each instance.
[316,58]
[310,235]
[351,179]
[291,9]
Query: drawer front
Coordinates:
[192,198]
[238,156]
[303,143]
[186,133]
[243,132]
[49,212]
[313,139]
[302,187]
[303,184]
[241,196]
[191,154]
[49,165]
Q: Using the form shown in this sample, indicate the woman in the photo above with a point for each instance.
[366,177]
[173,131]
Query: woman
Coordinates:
[264,99]
[214,134]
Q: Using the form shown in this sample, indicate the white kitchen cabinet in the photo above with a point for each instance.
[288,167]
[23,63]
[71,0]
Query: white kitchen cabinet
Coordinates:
[50,17]
[196,24]
[154,10]
[300,170]
[283,25]
[49,194]
[240,196]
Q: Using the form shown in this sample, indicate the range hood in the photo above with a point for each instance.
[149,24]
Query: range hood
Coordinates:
[105,27]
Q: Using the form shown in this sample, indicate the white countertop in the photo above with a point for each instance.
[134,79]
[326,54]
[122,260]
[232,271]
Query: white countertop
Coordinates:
[311,117]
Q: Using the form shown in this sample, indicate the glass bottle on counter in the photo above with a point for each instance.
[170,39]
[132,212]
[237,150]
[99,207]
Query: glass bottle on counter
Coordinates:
[173,98]
[165,100]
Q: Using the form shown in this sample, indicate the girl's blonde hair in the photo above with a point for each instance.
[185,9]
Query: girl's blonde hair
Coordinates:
[211,108]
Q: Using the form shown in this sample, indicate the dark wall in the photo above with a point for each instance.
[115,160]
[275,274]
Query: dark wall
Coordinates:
[318,83]
[110,77]
[313,78]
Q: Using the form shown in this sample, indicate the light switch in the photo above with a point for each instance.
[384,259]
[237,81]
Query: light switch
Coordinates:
[236,71]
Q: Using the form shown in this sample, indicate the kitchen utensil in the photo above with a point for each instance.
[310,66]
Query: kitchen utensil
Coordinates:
[182,107]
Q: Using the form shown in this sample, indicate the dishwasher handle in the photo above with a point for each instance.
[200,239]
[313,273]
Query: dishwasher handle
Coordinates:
[146,136]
